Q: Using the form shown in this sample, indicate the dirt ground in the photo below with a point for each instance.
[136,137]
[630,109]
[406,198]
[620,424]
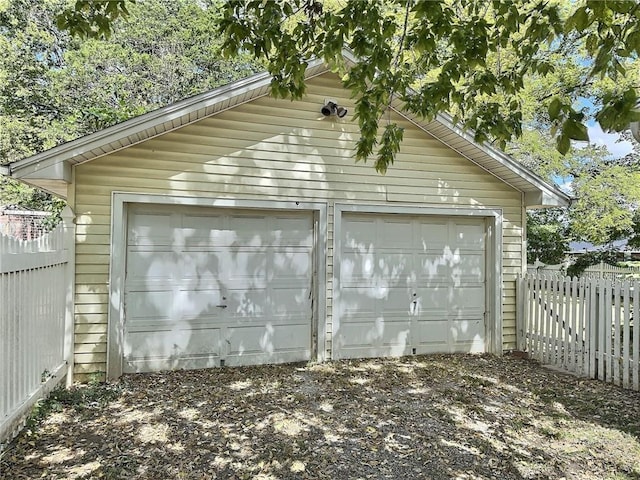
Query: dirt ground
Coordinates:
[425,417]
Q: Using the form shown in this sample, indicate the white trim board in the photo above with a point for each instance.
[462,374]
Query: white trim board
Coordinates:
[493,290]
[117,265]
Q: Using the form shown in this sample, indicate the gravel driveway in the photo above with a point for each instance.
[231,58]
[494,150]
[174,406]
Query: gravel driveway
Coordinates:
[431,417]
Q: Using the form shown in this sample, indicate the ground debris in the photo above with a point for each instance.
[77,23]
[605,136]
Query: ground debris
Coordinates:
[440,416]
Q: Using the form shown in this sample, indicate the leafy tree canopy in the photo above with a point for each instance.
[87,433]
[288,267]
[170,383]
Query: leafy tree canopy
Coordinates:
[55,87]
[547,236]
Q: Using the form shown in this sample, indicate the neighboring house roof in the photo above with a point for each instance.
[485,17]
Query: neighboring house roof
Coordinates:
[583,247]
[51,169]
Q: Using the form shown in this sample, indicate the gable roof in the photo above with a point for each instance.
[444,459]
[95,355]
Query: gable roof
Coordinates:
[51,169]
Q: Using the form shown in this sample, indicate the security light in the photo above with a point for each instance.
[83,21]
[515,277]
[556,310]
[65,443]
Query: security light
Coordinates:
[331,108]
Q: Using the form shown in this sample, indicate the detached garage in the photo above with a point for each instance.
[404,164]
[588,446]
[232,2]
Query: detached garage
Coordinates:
[232,228]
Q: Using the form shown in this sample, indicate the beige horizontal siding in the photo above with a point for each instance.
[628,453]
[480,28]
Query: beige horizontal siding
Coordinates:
[100,328]
[275,150]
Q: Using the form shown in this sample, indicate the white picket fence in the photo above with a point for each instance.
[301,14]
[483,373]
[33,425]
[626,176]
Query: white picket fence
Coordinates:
[36,328]
[584,325]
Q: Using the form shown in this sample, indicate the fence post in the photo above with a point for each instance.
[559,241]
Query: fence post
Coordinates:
[520,325]
[69,229]
[592,321]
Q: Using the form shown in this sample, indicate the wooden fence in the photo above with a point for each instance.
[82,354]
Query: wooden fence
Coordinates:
[584,325]
[36,328]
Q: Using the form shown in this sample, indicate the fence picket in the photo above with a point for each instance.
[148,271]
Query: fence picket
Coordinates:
[582,338]
[600,328]
[626,319]
[547,317]
[592,331]
[616,357]
[573,325]
[566,320]
[542,318]
[636,335]
[608,330]
[583,325]
[538,330]
[529,329]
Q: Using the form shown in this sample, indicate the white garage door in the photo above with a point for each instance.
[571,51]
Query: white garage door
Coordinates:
[209,286]
[409,284]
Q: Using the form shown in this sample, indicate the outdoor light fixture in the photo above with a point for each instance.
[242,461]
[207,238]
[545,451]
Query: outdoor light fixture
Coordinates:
[331,108]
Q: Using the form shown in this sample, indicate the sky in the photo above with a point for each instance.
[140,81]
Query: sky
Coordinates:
[598,137]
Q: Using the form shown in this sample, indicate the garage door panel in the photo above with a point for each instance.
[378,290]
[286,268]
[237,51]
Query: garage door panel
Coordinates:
[157,267]
[179,347]
[240,272]
[358,234]
[434,298]
[268,339]
[433,235]
[274,230]
[245,269]
[257,268]
[469,235]
[467,330]
[290,301]
[434,332]
[381,332]
[467,298]
[432,266]
[203,230]
[196,303]
[294,263]
[383,269]
[355,306]
[372,301]
[146,305]
[469,267]
[249,230]
[153,229]
[172,305]
[152,263]
[468,336]
[395,233]
[281,299]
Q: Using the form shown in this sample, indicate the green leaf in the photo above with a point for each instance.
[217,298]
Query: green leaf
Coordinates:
[575,130]
[563,144]
[580,19]
[554,108]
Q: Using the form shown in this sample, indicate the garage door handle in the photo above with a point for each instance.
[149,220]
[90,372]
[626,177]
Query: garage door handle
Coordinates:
[221,306]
